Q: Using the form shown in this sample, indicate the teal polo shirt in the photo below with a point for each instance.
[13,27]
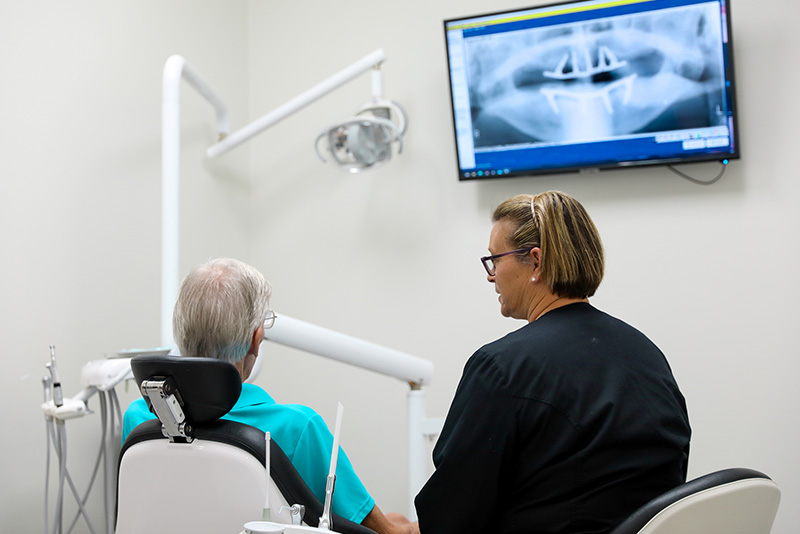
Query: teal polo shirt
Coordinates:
[301,433]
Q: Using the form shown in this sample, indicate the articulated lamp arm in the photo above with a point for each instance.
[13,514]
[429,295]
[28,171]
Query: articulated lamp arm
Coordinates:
[297,103]
[176,69]
[348,349]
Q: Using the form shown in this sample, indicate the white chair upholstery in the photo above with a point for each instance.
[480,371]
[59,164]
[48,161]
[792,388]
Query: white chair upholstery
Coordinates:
[203,486]
[731,501]
[210,476]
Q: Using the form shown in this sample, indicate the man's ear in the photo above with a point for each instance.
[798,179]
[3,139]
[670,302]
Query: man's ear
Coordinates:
[255,343]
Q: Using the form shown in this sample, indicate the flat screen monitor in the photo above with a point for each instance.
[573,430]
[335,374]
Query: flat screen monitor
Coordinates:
[590,85]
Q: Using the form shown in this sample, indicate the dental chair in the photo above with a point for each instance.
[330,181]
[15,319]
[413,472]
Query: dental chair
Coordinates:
[189,471]
[731,501]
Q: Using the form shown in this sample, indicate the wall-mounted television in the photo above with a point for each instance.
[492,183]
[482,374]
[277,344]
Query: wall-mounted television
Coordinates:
[590,85]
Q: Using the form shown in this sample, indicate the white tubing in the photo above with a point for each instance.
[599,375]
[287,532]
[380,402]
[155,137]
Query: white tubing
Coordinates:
[348,349]
[175,69]
[297,103]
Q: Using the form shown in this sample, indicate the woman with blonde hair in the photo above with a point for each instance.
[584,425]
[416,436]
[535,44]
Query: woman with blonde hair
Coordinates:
[571,422]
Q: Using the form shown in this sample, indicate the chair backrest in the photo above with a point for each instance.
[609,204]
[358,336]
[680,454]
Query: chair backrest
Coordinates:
[731,501]
[210,478]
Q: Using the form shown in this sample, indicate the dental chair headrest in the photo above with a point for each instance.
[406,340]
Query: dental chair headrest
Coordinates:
[207,388]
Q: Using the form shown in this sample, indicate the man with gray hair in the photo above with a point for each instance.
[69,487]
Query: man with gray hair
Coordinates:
[221,312]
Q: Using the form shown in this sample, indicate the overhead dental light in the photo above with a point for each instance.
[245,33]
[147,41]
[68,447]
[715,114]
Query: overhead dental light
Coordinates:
[365,140]
[360,142]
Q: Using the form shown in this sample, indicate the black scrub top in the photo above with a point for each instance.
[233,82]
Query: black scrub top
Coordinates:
[566,425]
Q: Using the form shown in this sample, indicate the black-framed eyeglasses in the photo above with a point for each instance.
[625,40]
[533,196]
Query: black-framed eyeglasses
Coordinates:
[489,263]
[270,320]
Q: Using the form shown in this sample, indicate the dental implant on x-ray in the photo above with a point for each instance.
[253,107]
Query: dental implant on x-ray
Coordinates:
[578,64]
[365,140]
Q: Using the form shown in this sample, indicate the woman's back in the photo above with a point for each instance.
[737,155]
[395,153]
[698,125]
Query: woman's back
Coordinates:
[574,420]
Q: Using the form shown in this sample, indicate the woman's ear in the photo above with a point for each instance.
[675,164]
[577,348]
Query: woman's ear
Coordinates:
[535,256]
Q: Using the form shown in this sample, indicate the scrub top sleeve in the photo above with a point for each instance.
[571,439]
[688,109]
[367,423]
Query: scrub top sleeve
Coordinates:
[312,459]
[462,493]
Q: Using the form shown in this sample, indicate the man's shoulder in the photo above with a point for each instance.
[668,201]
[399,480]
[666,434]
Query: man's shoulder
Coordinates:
[257,405]
[138,407]
[296,410]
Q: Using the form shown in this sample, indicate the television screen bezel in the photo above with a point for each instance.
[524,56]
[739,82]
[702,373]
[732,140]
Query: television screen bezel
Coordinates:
[729,76]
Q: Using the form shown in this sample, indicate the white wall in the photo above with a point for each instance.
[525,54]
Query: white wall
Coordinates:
[709,273]
[80,101]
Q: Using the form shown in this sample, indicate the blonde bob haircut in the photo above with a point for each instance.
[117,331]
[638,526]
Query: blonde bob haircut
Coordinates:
[220,305]
[571,250]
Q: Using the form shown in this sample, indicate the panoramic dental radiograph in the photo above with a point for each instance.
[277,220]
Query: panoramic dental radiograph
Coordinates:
[593,80]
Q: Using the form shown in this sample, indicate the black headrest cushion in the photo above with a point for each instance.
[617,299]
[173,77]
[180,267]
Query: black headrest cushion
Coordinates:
[208,388]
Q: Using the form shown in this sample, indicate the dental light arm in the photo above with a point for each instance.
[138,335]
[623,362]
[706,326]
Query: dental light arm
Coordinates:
[411,369]
[334,345]
[297,103]
[176,69]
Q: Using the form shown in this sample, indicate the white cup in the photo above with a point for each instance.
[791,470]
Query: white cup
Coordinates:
[263,527]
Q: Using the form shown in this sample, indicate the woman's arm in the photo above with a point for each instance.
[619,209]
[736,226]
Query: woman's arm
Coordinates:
[462,494]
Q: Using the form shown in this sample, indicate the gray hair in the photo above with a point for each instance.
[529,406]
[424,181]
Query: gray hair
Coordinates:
[220,305]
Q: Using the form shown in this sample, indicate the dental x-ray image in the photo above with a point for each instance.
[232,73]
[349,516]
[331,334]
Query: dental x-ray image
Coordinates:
[598,79]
